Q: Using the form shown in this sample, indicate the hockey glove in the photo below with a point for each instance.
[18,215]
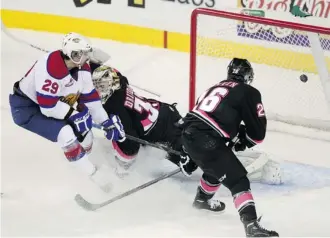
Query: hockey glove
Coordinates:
[241,144]
[81,120]
[187,165]
[113,128]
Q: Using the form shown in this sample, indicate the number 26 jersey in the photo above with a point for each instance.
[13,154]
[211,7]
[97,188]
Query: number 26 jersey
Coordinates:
[225,105]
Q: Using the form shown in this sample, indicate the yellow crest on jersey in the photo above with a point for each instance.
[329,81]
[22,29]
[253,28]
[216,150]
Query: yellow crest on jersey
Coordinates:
[71,99]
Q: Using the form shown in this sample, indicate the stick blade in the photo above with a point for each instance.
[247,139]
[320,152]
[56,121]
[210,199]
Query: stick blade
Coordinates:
[85,204]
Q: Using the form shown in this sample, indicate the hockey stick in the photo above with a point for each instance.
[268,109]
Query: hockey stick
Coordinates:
[158,146]
[146,90]
[94,206]
[253,167]
[4,29]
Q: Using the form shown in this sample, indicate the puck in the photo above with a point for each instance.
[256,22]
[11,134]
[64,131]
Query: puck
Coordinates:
[303,78]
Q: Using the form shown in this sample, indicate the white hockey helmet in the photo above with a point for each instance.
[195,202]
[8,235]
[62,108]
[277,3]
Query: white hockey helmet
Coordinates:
[77,48]
[106,81]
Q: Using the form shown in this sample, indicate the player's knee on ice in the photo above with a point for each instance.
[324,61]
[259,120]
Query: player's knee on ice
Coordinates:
[126,150]
[87,142]
[73,150]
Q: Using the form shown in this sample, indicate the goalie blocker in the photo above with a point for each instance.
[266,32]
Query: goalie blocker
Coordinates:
[211,124]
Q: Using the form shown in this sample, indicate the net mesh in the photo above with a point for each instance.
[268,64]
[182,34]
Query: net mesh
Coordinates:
[279,57]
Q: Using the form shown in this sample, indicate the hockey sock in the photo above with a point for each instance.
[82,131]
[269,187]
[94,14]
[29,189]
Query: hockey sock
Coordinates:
[208,186]
[245,206]
[243,200]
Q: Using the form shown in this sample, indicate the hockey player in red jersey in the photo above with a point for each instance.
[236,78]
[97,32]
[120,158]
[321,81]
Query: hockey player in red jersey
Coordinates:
[141,117]
[56,100]
[210,126]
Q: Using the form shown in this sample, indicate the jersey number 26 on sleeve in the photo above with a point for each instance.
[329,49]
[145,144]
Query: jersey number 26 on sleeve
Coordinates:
[50,86]
[210,102]
[260,110]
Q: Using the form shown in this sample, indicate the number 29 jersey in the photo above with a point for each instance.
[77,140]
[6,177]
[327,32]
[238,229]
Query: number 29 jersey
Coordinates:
[225,105]
[49,83]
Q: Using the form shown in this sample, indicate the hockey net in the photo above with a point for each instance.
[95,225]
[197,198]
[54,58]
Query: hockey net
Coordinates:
[280,52]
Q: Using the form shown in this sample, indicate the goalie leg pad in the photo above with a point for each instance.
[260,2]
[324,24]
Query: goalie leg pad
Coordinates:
[124,156]
[261,168]
[271,173]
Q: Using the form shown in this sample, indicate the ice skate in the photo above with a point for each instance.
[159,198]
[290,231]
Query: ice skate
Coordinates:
[202,201]
[254,229]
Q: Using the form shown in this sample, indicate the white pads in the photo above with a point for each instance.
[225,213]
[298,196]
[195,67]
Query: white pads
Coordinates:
[260,167]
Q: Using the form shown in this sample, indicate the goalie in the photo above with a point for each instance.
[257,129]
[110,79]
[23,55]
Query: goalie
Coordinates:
[141,117]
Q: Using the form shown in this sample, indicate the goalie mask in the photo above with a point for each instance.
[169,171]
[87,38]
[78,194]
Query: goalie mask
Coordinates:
[106,81]
[240,70]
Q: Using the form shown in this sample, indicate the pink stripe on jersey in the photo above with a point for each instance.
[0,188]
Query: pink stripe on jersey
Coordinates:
[146,123]
[242,199]
[209,188]
[211,121]
[121,153]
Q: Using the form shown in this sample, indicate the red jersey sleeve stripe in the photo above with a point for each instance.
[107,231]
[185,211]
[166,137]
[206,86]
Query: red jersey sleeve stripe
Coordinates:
[89,97]
[46,101]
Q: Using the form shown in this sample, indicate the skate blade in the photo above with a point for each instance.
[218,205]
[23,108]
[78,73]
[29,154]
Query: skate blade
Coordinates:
[208,211]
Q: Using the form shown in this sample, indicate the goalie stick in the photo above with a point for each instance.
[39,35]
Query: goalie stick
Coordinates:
[158,146]
[251,168]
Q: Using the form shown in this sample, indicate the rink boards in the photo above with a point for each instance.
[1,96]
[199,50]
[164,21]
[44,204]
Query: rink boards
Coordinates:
[243,44]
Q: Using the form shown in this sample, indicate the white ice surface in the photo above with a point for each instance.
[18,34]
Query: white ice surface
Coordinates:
[39,184]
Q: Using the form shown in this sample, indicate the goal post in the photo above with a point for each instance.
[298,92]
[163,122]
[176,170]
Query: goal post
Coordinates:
[279,51]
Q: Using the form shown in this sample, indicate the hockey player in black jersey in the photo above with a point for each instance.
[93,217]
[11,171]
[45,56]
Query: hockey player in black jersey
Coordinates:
[208,129]
[144,118]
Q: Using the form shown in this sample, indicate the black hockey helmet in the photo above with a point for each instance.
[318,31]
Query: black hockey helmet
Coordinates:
[240,70]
